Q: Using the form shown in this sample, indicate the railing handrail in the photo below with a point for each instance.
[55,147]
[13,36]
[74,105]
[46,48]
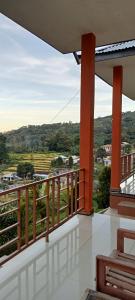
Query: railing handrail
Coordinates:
[132,153]
[39,220]
[25,186]
[127,166]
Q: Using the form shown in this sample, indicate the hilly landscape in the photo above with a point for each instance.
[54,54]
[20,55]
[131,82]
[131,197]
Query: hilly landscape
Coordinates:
[64,137]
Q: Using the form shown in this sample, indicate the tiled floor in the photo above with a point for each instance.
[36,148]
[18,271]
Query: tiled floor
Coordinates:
[65,267]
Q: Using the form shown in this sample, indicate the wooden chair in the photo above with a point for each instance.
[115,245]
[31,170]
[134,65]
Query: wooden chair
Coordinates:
[116,274]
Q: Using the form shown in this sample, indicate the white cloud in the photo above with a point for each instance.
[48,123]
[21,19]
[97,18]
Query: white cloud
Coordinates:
[36,82]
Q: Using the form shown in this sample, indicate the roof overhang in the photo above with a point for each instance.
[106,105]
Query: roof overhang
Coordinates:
[61,23]
[104,70]
[105,62]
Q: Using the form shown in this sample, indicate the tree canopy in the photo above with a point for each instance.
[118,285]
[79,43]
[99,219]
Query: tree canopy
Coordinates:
[65,137]
[25,170]
[3,149]
[103,194]
[100,153]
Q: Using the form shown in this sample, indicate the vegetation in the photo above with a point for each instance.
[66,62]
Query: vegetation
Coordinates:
[57,163]
[65,137]
[25,170]
[70,162]
[3,149]
[40,161]
[103,193]
[100,153]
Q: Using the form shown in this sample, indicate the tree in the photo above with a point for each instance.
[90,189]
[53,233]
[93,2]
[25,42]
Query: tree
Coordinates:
[127,149]
[100,153]
[3,149]
[59,142]
[70,162]
[25,170]
[57,163]
[104,187]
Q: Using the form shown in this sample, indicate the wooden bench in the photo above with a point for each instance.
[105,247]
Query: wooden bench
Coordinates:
[94,295]
[126,208]
[116,274]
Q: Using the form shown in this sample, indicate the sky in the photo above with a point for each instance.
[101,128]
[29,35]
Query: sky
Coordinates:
[39,85]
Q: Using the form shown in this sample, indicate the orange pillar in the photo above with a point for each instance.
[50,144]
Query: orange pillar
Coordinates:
[87,116]
[116,129]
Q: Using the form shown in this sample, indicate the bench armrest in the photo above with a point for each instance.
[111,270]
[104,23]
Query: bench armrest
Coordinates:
[121,234]
[103,264]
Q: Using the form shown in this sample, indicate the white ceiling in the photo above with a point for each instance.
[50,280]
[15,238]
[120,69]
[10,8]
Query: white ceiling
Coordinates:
[61,23]
[104,69]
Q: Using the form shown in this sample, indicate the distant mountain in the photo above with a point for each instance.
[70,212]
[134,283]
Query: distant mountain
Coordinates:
[64,137]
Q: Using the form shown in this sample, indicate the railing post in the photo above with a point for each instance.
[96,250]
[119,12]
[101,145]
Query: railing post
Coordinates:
[27,217]
[58,201]
[34,212]
[75,196]
[53,203]
[122,167]
[19,221]
[47,213]
[125,166]
[129,164]
[71,204]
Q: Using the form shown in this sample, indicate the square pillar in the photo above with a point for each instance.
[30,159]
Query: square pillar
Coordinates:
[116,129]
[87,117]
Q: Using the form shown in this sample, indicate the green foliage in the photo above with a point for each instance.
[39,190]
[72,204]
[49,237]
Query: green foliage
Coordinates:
[100,153]
[104,187]
[127,149]
[57,163]
[64,137]
[6,221]
[70,162]
[59,143]
[25,170]
[3,149]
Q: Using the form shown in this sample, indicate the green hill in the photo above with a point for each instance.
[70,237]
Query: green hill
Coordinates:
[64,137]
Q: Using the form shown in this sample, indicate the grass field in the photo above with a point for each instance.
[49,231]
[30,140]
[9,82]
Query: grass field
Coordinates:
[40,161]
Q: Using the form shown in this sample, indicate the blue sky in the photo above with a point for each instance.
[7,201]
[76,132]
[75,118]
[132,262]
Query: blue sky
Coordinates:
[36,82]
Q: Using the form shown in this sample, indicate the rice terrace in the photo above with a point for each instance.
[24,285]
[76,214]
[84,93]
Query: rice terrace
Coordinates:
[40,161]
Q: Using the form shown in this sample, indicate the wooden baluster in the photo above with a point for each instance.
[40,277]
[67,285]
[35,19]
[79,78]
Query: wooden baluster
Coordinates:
[58,201]
[19,220]
[34,212]
[47,213]
[26,216]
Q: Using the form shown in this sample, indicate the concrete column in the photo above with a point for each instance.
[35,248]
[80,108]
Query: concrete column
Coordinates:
[116,129]
[87,117]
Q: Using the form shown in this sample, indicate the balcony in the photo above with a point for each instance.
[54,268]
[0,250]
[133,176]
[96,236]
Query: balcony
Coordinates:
[64,267]
[38,208]
[56,264]
[53,261]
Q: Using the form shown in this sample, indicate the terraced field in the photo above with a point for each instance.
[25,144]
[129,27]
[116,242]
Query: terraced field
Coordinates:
[41,161]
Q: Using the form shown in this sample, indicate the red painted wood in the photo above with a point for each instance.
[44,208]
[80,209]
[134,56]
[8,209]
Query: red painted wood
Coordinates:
[87,116]
[116,128]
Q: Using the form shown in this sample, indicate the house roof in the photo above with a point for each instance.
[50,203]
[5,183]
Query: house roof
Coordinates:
[61,23]
[120,54]
[119,47]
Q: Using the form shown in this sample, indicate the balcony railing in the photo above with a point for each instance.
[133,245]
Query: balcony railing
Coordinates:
[127,166]
[32,211]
